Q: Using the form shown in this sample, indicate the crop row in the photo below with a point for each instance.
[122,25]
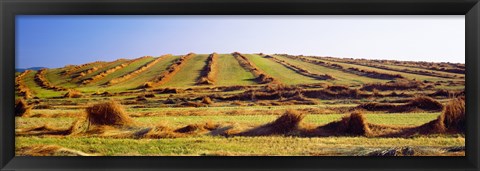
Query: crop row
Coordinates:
[138,71]
[109,71]
[261,76]
[352,70]
[301,70]
[20,86]
[208,74]
[170,72]
[43,82]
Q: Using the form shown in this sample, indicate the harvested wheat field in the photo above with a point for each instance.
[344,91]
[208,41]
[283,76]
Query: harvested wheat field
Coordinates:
[239,104]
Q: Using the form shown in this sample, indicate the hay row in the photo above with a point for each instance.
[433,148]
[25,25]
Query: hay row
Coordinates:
[444,67]
[300,70]
[374,74]
[406,70]
[165,76]
[20,86]
[137,71]
[84,73]
[71,69]
[356,71]
[394,85]
[109,71]
[108,119]
[301,95]
[92,70]
[208,73]
[417,104]
[42,81]
[452,120]
[261,76]
[456,68]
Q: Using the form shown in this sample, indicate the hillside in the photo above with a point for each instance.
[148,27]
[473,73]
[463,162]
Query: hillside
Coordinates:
[228,71]
[256,100]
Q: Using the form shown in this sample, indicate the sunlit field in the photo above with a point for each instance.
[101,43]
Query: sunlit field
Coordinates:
[242,105]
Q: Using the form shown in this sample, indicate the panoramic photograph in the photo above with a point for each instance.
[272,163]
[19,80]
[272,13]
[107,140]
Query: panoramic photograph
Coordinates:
[168,85]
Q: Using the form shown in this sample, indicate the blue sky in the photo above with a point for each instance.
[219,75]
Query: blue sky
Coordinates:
[55,41]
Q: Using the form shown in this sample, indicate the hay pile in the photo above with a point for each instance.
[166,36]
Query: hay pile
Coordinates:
[284,125]
[453,117]
[108,113]
[207,100]
[452,120]
[354,124]
[22,108]
[421,103]
[73,94]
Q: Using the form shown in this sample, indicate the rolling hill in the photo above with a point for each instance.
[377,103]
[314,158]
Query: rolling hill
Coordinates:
[169,71]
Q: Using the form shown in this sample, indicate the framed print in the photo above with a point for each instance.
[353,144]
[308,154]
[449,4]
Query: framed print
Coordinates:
[252,85]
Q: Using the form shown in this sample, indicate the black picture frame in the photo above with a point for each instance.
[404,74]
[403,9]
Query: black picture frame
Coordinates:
[10,8]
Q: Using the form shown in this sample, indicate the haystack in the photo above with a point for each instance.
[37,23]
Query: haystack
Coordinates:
[451,120]
[425,103]
[22,108]
[353,124]
[285,124]
[453,117]
[108,113]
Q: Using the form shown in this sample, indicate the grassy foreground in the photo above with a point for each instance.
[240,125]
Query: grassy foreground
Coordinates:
[209,145]
[219,145]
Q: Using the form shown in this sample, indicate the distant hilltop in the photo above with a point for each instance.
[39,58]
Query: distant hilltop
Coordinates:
[31,68]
